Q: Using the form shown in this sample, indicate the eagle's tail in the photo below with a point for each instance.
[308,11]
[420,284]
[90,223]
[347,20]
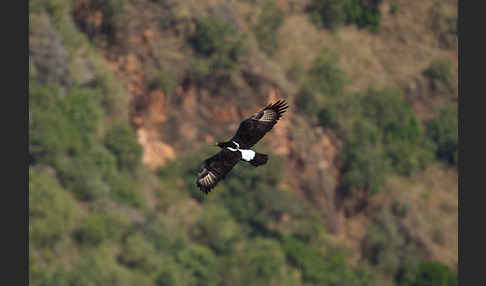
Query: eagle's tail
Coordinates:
[259,159]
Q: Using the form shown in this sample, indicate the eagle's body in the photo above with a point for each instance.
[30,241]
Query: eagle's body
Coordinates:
[250,131]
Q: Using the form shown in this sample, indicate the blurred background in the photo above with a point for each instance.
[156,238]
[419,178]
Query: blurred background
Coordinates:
[127,96]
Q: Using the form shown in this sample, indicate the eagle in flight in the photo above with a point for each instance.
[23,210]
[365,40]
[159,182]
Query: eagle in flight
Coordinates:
[250,131]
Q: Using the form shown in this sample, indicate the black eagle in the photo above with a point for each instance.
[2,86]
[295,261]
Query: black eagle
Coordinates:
[250,131]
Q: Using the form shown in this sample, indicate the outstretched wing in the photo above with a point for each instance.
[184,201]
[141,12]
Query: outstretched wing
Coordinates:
[252,129]
[216,168]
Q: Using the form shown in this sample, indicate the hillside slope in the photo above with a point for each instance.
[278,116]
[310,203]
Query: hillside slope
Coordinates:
[127,96]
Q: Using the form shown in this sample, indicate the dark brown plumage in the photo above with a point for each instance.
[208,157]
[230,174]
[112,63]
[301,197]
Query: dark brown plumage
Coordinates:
[215,169]
[252,129]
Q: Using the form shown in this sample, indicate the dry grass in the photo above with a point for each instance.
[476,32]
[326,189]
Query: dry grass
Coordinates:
[403,48]
[432,218]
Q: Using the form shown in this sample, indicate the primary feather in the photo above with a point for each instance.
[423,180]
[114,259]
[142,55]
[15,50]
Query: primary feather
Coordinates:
[252,129]
[215,168]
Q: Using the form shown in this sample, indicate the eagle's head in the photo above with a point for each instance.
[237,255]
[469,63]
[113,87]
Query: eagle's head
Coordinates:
[221,144]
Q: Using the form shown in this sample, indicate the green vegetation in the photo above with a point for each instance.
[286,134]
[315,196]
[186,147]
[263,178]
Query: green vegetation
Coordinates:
[328,13]
[427,274]
[56,121]
[98,216]
[96,228]
[51,211]
[381,134]
[378,127]
[318,269]
[266,31]
[335,13]
[216,228]
[325,76]
[65,133]
[121,141]
[364,13]
[219,45]
[323,80]
[443,132]
[394,7]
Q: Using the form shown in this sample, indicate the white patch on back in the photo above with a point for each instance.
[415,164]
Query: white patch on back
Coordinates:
[247,155]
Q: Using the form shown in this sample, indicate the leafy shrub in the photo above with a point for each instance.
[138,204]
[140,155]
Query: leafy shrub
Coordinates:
[328,13]
[200,265]
[323,270]
[394,7]
[219,48]
[382,244]
[335,13]
[46,138]
[324,80]
[124,189]
[166,278]
[381,133]
[92,230]
[325,76]
[122,142]
[100,267]
[378,127]
[387,247]
[439,74]
[443,132]
[327,117]
[64,134]
[140,254]
[82,107]
[122,185]
[60,277]
[81,176]
[259,262]
[217,229]
[428,273]
[306,101]
[403,135]
[96,228]
[61,124]
[363,13]
[240,195]
[365,163]
[283,213]
[217,41]
[266,31]
[51,210]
